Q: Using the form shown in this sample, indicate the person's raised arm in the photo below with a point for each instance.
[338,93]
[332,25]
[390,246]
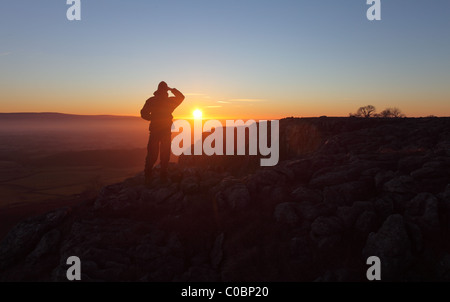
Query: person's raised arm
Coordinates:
[145,111]
[178,96]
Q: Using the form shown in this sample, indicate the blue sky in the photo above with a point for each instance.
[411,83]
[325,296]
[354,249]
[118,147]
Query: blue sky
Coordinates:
[242,58]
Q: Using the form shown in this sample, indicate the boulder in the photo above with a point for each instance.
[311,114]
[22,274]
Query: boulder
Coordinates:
[424,211]
[24,237]
[326,232]
[402,184]
[302,194]
[288,213]
[392,245]
[347,193]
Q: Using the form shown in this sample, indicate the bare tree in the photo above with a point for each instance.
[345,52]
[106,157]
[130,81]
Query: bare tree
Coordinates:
[392,112]
[396,112]
[366,111]
[386,113]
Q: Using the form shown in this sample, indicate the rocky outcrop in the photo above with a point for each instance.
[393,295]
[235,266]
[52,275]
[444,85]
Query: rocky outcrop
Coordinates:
[345,190]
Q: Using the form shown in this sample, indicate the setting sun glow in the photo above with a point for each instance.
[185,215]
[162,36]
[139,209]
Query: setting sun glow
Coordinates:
[197,114]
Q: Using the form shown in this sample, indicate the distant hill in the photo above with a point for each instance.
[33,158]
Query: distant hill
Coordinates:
[44,133]
[54,116]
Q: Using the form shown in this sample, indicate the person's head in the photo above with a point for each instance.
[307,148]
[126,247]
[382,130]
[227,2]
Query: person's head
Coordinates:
[163,86]
[163,89]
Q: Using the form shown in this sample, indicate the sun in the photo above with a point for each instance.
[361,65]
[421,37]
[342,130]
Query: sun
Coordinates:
[197,114]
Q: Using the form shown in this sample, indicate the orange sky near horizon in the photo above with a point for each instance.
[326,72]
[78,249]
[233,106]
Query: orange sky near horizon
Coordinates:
[218,109]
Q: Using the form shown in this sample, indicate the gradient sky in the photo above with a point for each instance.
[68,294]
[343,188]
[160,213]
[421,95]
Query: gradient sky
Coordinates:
[233,59]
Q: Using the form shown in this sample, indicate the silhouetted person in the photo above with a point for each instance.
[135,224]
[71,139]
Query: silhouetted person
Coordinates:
[158,110]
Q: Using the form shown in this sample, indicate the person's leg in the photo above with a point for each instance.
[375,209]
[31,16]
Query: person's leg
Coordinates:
[166,142]
[152,155]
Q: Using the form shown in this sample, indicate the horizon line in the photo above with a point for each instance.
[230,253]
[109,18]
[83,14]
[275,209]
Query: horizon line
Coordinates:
[189,118]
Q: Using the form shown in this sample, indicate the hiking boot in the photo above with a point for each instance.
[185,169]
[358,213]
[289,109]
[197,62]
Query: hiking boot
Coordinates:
[163,176]
[148,179]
